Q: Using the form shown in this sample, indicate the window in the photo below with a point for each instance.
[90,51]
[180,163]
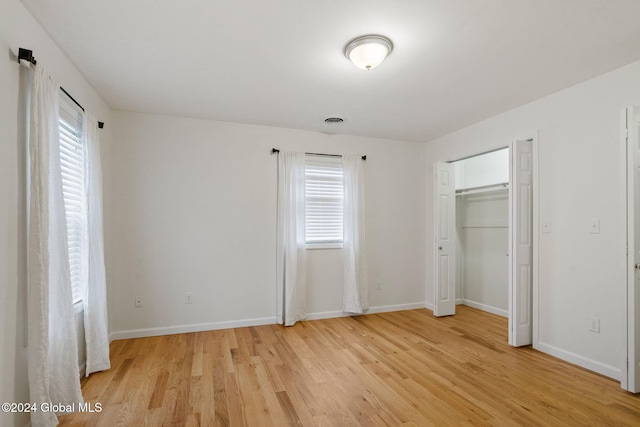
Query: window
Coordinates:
[72,164]
[324,202]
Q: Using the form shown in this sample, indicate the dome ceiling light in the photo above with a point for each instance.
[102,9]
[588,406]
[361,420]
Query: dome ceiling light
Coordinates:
[368,52]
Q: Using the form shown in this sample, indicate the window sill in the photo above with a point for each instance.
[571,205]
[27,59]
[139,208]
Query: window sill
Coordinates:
[324,246]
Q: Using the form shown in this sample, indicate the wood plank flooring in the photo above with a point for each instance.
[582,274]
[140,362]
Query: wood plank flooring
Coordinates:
[402,368]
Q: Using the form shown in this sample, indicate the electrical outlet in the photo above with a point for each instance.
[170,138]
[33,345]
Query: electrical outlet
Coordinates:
[595,226]
[188,298]
[546,226]
[139,301]
[378,285]
[594,324]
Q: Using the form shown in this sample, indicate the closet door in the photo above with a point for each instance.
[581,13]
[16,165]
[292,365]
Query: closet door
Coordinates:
[445,250]
[521,230]
[631,362]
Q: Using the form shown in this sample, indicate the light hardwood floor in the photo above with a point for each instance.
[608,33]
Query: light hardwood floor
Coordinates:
[403,368]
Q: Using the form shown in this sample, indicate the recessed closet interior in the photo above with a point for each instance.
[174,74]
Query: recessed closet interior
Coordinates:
[482,223]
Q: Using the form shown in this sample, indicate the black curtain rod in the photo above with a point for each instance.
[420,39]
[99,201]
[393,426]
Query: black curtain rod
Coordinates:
[275,150]
[72,98]
[27,55]
[100,124]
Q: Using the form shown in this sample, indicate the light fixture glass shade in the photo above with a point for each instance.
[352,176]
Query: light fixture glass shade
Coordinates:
[368,52]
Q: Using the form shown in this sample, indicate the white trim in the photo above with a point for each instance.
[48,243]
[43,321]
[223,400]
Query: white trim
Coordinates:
[314,246]
[535,302]
[487,308]
[472,153]
[196,327]
[372,310]
[629,243]
[592,365]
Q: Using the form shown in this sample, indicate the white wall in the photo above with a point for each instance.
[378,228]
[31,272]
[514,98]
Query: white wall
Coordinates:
[581,177]
[193,209]
[19,29]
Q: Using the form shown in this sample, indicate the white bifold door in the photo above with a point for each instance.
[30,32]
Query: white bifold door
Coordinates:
[445,247]
[630,376]
[520,242]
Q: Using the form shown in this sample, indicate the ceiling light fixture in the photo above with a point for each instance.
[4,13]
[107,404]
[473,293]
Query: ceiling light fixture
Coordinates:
[368,52]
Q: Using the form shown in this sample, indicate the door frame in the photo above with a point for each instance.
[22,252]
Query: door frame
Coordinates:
[629,363]
[533,137]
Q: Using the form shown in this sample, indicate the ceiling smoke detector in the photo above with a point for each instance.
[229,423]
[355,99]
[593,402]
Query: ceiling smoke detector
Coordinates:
[333,120]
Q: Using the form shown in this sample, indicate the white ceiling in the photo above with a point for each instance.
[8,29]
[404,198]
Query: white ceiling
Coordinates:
[281,62]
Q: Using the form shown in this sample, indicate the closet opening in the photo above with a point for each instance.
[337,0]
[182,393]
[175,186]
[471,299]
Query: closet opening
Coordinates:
[482,230]
[484,251]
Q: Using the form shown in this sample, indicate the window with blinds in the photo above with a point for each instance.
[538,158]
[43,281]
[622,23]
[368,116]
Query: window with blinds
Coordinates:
[324,201]
[72,164]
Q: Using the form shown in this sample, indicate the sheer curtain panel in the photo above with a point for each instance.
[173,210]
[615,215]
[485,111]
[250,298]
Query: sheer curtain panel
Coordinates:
[354,264]
[95,297]
[291,238]
[53,348]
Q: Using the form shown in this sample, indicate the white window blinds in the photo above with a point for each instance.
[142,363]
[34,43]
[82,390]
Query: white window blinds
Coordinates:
[324,200]
[72,164]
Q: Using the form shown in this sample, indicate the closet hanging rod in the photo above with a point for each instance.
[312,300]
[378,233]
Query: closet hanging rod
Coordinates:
[275,150]
[483,188]
[27,55]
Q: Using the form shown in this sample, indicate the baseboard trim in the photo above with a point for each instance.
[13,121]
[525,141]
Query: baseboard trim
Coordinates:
[183,329]
[371,310]
[200,327]
[487,308]
[576,359]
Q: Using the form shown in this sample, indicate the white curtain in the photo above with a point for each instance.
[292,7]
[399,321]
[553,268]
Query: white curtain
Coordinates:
[53,348]
[95,297]
[291,238]
[354,264]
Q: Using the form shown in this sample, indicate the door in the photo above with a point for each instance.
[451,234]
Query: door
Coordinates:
[445,226]
[631,381]
[521,245]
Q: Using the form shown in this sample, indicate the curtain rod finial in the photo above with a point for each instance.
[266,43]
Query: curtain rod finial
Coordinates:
[27,55]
